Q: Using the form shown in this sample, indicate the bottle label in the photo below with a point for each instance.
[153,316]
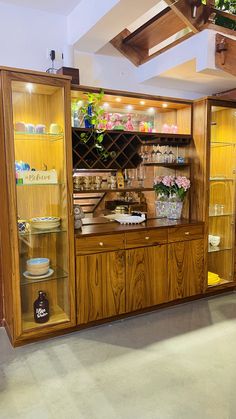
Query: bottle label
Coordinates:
[41,312]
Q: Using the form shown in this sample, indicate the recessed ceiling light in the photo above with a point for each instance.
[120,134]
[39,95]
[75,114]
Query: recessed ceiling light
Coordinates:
[106,105]
[164,105]
[129,107]
[142,102]
[118,99]
[151,110]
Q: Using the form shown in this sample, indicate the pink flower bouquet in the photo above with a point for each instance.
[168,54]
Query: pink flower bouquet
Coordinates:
[167,186]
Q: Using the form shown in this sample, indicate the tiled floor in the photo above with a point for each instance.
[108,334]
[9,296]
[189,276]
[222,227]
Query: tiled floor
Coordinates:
[177,363]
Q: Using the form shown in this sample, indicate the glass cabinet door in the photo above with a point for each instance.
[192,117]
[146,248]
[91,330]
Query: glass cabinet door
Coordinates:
[41,203]
[221,239]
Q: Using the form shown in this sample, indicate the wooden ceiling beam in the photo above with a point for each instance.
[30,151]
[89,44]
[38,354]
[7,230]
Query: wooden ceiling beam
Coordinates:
[184,11]
[156,30]
[134,55]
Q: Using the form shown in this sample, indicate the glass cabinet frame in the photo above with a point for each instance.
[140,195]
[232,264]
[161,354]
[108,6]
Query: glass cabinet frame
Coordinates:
[221,197]
[13,286]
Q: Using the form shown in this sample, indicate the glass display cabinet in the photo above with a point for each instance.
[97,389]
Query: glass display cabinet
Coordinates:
[222,198]
[39,178]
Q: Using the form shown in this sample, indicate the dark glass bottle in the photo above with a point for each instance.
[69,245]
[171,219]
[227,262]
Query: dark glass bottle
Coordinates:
[41,308]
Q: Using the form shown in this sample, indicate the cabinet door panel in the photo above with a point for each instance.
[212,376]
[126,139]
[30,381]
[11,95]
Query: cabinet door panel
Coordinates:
[186,269]
[89,288]
[100,286]
[146,277]
[113,283]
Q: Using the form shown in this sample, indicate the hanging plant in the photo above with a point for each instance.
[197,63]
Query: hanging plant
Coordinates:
[93,114]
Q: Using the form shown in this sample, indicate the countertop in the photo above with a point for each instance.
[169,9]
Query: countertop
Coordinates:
[101,225]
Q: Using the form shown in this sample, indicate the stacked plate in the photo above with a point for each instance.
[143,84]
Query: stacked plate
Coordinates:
[45,223]
[38,268]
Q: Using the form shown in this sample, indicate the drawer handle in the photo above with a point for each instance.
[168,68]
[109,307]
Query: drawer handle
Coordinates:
[100,243]
[187,233]
[147,238]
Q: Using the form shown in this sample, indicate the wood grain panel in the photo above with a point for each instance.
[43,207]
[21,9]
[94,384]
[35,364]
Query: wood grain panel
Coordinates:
[114,283]
[199,152]
[100,286]
[182,233]
[186,269]
[146,277]
[156,30]
[145,238]
[99,243]
[228,64]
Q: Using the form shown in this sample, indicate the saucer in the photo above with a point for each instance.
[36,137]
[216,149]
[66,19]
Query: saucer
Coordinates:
[29,276]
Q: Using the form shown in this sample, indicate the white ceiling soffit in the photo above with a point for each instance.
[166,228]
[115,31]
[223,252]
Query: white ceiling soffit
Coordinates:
[188,66]
[101,20]
[62,7]
[161,5]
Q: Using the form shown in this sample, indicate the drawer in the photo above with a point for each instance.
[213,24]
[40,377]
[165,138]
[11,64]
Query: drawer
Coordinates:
[97,244]
[145,238]
[181,233]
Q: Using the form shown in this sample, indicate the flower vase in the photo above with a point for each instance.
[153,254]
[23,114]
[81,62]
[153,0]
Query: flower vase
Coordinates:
[161,206]
[87,120]
[174,208]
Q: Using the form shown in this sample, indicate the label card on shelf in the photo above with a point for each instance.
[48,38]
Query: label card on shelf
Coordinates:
[34,177]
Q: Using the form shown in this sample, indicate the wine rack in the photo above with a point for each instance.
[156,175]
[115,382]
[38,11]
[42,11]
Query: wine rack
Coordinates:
[122,148]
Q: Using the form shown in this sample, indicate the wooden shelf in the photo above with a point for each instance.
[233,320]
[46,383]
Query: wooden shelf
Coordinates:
[173,165]
[134,189]
[57,316]
[124,144]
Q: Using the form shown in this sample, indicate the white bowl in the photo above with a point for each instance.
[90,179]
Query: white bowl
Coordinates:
[37,266]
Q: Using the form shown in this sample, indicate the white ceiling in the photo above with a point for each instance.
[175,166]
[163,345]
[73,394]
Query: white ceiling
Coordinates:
[62,7]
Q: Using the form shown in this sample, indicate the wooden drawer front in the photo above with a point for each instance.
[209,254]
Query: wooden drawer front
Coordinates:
[177,234]
[96,244]
[145,238]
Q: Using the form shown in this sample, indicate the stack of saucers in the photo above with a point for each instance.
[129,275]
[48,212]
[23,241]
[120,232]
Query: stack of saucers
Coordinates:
[38,268]
[45,223]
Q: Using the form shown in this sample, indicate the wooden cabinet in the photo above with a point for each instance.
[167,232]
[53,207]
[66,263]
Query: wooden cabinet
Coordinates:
[100,286]
[186,268]
[143,269]
[146,277]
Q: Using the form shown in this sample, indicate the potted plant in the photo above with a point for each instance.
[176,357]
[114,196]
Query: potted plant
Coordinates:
[171,192]
[93,116]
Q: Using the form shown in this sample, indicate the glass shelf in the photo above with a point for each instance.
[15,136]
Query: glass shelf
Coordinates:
[221,282]
[57,274]
[212,249]
[39,184]
[222,179]
[37,136]
[222,144]
[37,232]
[221,215]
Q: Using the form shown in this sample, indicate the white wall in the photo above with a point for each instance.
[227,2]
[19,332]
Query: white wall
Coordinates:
[26,34]
[120,74]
